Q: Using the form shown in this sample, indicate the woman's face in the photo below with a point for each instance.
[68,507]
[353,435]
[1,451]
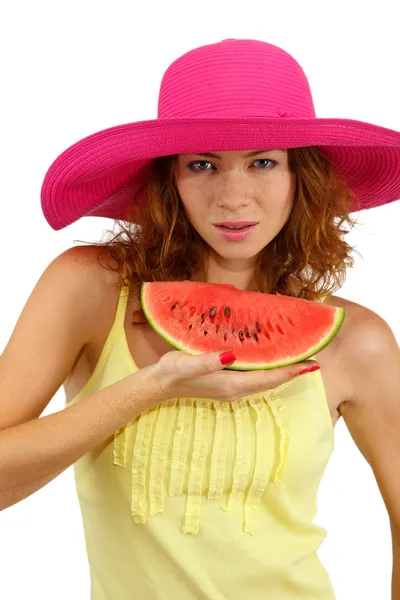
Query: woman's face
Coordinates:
[233,186]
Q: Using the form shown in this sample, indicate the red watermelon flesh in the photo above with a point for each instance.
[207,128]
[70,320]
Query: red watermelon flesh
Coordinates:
[264,331]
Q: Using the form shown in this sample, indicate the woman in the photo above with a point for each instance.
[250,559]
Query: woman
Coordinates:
[197,482]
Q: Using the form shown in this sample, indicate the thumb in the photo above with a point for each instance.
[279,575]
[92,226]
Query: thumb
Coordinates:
[215,361]
[189,365]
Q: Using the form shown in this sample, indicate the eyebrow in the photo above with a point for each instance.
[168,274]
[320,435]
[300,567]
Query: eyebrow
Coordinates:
[254,153]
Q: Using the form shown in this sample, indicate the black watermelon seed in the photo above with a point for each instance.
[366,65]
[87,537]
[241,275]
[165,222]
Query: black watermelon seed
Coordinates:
[227,311]
[205,332]
[255,336]
[202,316]
[190,326]
[258,326]
[225,336]
[213,311]
[174,305]
[241,336]
[217,327]
[246,331]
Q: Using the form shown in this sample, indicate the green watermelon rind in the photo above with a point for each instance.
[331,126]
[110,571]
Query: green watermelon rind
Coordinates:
[241,366]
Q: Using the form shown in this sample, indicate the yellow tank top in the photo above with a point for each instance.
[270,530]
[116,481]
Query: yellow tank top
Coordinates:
[198,499]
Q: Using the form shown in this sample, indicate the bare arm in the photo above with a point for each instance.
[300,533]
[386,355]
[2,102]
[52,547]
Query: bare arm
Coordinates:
[34,453]
[20,492]
[58,320]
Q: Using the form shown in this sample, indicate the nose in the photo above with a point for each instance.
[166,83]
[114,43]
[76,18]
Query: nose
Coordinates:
[233,203]
[232,199]
[232,193]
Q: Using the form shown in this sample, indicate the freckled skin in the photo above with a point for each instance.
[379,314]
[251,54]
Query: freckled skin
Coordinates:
[235,188]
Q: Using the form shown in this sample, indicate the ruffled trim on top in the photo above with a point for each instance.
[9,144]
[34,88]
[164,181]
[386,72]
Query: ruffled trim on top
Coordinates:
[149,449]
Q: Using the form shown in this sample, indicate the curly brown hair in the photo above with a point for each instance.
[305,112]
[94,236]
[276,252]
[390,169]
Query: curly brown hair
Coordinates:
[158,243]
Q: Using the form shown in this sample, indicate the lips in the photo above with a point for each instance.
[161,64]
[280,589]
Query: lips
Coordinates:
[235,224]
[236,234]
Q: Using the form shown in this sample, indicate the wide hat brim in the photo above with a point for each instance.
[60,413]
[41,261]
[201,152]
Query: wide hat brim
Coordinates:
[101,174]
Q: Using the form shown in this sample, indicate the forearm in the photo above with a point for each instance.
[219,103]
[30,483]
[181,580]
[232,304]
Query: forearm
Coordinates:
[15,494]
[34,453]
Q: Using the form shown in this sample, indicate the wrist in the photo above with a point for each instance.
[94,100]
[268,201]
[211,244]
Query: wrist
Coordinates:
[154,384]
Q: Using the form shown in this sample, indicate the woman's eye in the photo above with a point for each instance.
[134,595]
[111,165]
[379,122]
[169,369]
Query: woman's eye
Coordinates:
[265,160]
[198,162]
[206,162]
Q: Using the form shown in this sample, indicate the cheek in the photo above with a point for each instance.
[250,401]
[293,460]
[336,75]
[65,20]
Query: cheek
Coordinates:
[283,190]
[192,198]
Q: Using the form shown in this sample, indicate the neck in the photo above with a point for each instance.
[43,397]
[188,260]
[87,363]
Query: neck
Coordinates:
[239,275]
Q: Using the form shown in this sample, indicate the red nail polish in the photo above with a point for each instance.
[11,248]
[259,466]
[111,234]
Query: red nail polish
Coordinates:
[309,370]
[227,357]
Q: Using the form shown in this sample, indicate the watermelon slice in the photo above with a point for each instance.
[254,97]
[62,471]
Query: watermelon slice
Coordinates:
[264,331]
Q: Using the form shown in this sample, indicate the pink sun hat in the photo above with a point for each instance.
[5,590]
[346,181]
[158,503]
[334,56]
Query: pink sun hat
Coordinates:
[238,94]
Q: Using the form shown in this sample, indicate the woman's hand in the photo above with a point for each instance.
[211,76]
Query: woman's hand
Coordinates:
[203,376]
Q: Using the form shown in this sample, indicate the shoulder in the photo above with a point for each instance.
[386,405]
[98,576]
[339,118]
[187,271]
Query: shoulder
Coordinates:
[361,322]
[97,285]
[367,343]
[91,263]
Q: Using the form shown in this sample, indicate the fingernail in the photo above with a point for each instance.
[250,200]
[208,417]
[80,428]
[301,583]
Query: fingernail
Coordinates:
[227,357]
[309,370]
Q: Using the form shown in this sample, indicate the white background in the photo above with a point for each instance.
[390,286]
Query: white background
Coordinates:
[69,69]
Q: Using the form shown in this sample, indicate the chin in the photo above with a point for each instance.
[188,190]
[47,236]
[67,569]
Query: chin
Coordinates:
[238,251]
